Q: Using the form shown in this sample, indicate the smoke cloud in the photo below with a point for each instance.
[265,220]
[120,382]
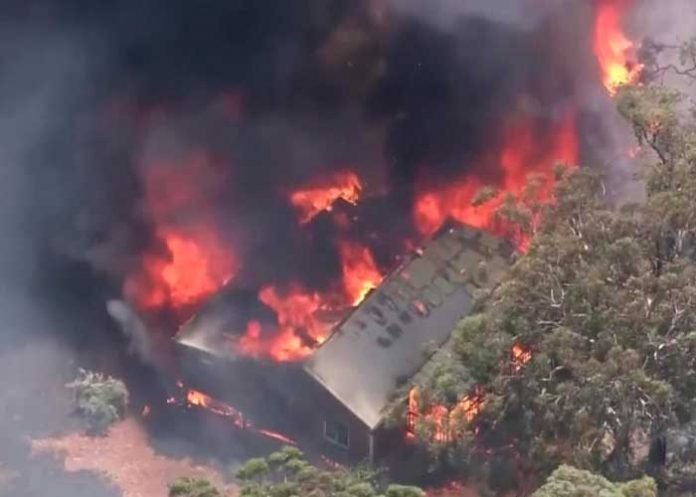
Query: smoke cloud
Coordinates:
[95,99]
[445,14]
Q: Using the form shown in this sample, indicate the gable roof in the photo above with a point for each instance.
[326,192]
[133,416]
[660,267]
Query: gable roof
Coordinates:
[382,343]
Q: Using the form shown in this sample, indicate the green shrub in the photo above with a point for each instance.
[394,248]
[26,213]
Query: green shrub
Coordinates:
[193,487]
[567,481]
[100,399]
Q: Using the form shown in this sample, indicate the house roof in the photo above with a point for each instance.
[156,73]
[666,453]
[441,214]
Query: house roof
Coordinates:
[383,342]
[210,330]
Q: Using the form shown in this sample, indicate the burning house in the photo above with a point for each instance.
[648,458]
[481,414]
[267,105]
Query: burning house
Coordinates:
[266,204]
[336,399]
[239,181]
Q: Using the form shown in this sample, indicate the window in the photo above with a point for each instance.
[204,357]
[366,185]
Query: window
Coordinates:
[337,433]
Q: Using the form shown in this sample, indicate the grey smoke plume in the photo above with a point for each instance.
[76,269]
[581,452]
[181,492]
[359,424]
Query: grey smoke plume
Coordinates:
[670,21]
[133,328]
[43,76]
[70,193]
[445,14]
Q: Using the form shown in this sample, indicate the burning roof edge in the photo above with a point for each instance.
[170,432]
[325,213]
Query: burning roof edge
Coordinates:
[380,345]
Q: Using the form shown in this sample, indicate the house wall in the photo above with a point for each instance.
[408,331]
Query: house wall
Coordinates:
[316,406]
[256,389]
[286,400]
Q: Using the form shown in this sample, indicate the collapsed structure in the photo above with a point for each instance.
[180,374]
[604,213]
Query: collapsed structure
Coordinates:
[336,401]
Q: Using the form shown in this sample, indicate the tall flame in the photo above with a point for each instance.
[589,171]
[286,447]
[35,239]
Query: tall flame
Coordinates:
[525,150]
[360,273]
[614,51]
[320,197]
[193,262]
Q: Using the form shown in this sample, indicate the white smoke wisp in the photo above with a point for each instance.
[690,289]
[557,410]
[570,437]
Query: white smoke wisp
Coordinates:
[133,328]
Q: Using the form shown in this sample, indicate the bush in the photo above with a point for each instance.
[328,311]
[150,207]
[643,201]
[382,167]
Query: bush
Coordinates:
[100,399]
[567,481]
[287,473]
[193,487]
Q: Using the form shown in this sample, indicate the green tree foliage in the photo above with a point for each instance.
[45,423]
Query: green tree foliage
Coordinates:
[604,299]
[287,473]
[102,400]
[193,487]
[567,481]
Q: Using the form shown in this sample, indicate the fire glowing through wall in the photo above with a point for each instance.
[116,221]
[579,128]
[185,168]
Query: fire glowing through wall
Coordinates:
[196,399]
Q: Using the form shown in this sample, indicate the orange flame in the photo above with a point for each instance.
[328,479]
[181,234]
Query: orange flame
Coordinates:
[194,261]
[526,150]
[614,51]
[360,273]
[520,356]
[299,329]
[298,332]
[194,268]
[276,436]
[194,398]
[315,199]
[446,422]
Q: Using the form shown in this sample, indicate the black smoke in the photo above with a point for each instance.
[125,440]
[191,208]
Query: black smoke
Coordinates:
[320,85]
[92,92]
[278,94]
[426,103]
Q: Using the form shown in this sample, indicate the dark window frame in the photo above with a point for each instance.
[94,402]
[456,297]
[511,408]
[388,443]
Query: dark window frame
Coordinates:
[334,436]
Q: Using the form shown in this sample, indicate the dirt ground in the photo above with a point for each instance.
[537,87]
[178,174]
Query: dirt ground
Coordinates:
[125,457]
